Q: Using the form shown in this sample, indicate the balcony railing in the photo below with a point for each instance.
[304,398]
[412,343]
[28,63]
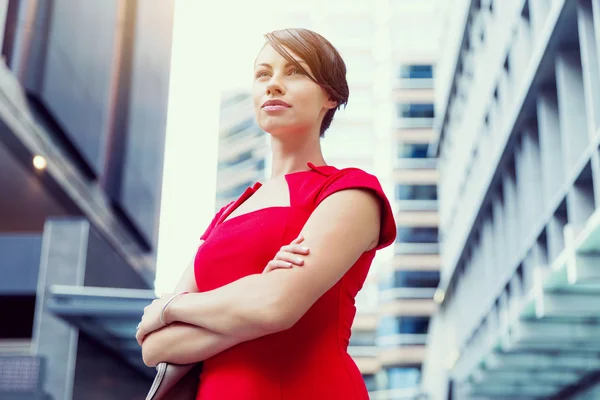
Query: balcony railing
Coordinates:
[416,248]
[414,123]
[414,83]
[406,293]
[363,351]
[396,394]
[402,339]
[417,205]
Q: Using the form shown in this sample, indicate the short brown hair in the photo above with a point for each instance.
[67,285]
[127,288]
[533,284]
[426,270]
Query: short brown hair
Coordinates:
[325,61]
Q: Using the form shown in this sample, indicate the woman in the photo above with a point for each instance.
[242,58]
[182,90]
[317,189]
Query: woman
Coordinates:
[270,317]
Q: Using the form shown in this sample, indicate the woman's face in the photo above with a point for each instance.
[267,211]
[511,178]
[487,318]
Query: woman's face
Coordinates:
[286,100]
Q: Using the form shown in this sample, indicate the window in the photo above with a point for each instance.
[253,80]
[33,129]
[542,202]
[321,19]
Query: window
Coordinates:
[21,325]
[416,71]
[416,192]
[236,191]
[241,127]
[411,234]
[412,150]
[370,382]
[240,158]
[418,279]
[402,325]
[414,325]
[416,110]
[359,338]
[404,377]
[238,98]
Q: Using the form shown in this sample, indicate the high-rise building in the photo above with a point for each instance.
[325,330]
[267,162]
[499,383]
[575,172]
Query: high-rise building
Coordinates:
[518,110]
[83,104]
[405,52]
[242,147]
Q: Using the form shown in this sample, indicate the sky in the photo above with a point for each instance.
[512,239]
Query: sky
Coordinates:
[213,50]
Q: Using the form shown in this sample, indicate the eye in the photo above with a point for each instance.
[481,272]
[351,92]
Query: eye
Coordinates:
[296,71]
[260,74]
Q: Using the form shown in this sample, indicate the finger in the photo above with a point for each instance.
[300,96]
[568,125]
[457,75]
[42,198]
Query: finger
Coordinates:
[295,248]
[277,264]
[138,337]
[298,240]
[289,257]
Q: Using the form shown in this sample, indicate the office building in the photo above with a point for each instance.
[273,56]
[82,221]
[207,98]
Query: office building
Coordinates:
[82,127]
[518,110]
[242,147]
[404,54]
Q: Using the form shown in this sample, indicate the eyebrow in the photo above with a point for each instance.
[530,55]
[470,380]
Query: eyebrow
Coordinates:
[286,65]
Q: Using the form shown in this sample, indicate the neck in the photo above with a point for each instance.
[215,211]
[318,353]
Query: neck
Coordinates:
[291,155]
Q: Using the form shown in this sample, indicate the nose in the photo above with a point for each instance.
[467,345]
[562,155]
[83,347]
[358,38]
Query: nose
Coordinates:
[275,87]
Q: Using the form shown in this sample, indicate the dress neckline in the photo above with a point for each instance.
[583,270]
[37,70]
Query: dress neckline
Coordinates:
[325,170]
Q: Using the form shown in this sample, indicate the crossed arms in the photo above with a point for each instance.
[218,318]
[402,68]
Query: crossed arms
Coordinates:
[338,232]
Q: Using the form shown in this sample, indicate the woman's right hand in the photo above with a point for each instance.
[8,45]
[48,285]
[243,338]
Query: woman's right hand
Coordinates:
[288,256]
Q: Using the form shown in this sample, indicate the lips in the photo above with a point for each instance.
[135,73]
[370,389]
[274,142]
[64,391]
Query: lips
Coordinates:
[275,104]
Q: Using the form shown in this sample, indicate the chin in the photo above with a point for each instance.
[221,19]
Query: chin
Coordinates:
[276,129]
[281,129]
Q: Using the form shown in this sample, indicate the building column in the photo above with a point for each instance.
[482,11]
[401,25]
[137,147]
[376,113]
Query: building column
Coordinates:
[62,262]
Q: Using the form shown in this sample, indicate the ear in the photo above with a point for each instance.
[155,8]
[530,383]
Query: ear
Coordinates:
[331,104]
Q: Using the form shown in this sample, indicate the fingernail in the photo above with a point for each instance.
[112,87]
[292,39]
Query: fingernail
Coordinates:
[290,265]
[304,248]
[299,260]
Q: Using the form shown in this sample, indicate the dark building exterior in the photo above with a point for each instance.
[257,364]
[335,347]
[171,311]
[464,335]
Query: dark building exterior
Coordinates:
[83,109]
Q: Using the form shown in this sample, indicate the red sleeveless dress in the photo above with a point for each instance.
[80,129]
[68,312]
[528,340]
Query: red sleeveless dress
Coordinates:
[308,361]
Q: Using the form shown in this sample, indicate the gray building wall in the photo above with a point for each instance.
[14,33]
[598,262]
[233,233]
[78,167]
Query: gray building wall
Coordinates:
[590,394]
[102,376]
[19,260]
[100,71]
[96,76]
[73,254]
[519,179]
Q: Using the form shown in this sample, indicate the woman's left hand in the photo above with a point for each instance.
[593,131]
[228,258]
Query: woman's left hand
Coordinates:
[151,318]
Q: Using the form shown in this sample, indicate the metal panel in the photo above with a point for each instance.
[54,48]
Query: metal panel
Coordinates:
[108,315]
[147,117]
[19,263]
[77,76]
